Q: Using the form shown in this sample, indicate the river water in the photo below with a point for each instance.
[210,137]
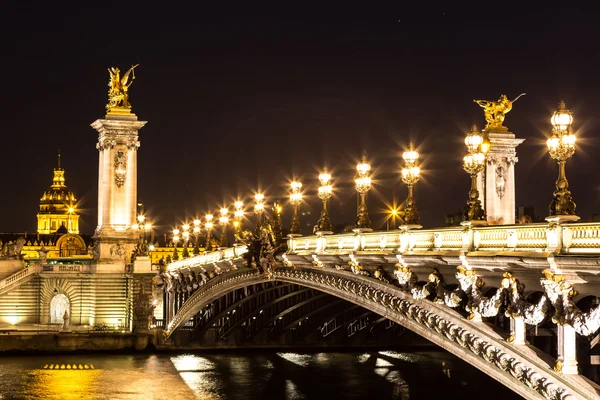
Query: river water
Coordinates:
[246,375]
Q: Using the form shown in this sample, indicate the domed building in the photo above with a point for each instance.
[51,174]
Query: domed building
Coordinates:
[57,206]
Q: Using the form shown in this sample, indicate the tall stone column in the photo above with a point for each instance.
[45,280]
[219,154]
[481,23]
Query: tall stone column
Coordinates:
[498,184]
[117,190]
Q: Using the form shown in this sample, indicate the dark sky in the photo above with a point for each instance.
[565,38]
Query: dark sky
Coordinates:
[238,99]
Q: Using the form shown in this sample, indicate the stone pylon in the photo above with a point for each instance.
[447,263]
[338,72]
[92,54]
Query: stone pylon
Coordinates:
[496,184]
[117,191]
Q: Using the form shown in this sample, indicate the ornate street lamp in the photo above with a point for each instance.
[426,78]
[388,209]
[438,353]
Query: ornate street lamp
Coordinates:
[561,146]
[473,164]
[295,200]
[224,220]
[142,226]
[186,237]
[259,208]
[410,175]
[276,222]
[208,225]
[175,242]
[325,192]
[196,230]
[362,182]
[238,215]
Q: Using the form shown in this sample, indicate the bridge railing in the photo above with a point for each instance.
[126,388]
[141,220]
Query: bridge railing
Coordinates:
[568,238]
[213,257]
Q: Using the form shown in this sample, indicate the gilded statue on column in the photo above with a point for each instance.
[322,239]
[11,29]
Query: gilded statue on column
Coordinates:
[495,111]
[118,92]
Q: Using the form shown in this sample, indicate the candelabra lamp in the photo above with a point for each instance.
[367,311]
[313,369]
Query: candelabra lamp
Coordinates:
[295,200]
[259,209]
[208,225]
[196,230]
[362,182]
[277,229]
[325,192]
[143,227]
[561,146]
[473,164]
[176,238]
[186,238]
[238,215]
[410,176]
[224,221]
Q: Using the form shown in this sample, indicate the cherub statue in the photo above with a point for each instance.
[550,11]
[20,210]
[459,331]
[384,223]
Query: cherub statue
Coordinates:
[118,92]
[495,111]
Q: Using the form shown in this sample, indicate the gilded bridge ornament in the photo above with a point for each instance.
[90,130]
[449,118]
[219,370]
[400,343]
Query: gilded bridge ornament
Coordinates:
[496,110]
[118,92]
[120,168]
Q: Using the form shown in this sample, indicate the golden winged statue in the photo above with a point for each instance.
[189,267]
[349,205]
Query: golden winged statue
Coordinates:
[118,89]
[496,110]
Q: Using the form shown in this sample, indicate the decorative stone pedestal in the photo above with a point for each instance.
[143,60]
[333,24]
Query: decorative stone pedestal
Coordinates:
[142,265]
[559,219]
[117,191]
[497,182]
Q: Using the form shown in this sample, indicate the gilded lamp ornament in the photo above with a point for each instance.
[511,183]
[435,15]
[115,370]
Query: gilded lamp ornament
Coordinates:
[410,176]
[238,215]
[473,164]
[118,92]
[295,200]
[495,111]
[362,182]
[259,209]
[561,146]
[325,192]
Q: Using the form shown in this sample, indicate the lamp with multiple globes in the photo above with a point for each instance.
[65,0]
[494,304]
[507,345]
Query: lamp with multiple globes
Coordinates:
[196,231]
[238,215]
[208,225]
[561,146]
[259,208]
[295,200]
[176,239]
[223,221]
[410,176]
[362,182]
[325,192]
[473,164]
[185,234]
[144,228]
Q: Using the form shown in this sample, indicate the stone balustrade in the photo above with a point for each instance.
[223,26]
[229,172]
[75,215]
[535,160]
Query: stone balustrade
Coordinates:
[572,238]
[209,258]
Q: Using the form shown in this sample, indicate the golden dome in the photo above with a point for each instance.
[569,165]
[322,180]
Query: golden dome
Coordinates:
[57,198]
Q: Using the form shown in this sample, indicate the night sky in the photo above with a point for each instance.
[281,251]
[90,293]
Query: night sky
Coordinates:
[238,99]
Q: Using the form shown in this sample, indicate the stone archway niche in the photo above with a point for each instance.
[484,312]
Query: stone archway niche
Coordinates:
[59,303]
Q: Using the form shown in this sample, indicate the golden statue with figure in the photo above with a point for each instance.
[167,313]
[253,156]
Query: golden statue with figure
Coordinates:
[118,92]
[495,111]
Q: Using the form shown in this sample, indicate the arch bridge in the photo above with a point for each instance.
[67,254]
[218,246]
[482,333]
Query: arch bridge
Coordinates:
[517,302]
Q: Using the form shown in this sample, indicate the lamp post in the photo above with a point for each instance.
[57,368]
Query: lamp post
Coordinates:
[295,200]
[175,242]
[142,226]
[196,230]
[259,208]
[410,175]
[473,164]
[561,146]
[238,215]
[208,225]
[224,220]
[362,182]
[186,238]
[325,192]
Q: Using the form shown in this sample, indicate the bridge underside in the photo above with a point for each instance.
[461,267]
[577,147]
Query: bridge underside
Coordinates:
[277,303]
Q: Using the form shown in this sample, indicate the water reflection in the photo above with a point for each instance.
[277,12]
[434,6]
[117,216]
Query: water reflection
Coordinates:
[283,375]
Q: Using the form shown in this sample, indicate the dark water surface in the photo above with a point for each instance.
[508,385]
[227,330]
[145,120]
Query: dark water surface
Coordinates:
[269,375]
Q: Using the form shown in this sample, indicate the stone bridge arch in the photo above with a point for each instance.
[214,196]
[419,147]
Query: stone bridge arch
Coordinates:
[521,368]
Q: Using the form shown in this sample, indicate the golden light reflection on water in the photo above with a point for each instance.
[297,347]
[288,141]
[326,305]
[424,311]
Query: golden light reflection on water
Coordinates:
[64,384]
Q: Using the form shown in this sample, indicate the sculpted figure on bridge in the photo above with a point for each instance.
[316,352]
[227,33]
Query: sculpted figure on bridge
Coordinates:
[495,111]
